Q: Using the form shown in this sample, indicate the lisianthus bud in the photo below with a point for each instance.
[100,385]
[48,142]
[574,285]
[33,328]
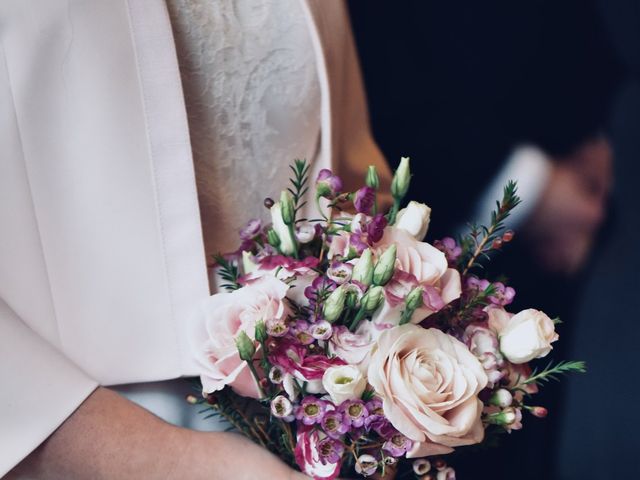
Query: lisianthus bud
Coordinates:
[248,265]
[401,179]
[414,299]
[366,465]
[245,346]
[364,200]
[261,331]
[363,270]
[334,305]
[372,178]
[501,398]
[273,238]
[288,207]
[383,270]
[287,242]
[414,218]
[373,299]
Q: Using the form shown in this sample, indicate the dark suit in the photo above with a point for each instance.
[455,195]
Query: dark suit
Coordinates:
[455,85]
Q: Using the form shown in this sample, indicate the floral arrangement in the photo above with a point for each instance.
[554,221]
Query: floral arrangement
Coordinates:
[347,345]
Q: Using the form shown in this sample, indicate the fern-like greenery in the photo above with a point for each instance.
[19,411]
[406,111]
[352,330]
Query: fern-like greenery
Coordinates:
[479,242]
[229,272]
[299,184]
[552,372]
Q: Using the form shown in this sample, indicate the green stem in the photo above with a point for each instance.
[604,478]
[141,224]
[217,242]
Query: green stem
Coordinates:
[256,377]
[357,319]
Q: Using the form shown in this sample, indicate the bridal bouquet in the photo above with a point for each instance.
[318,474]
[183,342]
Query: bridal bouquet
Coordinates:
[348,345]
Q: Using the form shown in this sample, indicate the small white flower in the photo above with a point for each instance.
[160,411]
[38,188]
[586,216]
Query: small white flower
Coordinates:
[305,233]
[344,382]
[421,466]
[366,465]
[281,407]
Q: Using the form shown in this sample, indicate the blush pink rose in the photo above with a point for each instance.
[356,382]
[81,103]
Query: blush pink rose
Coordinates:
[354,347]
[223,316]
[421,263]
[429,383]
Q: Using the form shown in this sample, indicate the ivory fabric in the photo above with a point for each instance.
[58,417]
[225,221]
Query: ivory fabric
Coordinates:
[101,249]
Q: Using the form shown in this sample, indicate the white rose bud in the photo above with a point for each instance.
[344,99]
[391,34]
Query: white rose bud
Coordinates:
[528,335]
[287,242]
[414,218]
[342,383]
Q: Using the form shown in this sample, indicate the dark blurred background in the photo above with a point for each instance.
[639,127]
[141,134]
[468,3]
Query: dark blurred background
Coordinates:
[460,87]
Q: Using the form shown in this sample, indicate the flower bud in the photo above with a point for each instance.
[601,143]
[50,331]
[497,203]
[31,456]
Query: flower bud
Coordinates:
[385,267]
[248,265]
[261,331]
[539,412]
[501,398]
[273,238]
[191,399]
[373,299]
[352,299]
[287,242]
[414,299]
[372,179]
[245,346]
[401,179]
[328,185]
[288,207]
[334,305]
[363,270]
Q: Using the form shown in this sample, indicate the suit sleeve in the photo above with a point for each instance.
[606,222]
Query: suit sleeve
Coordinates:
[39,389]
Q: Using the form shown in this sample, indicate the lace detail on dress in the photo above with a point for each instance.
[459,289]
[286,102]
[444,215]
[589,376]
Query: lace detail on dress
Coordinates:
[253,102]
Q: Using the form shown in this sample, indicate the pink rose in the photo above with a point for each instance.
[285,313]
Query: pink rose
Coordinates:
[308,457]
[425,265]
[429,384]
[223,317]
[353,348]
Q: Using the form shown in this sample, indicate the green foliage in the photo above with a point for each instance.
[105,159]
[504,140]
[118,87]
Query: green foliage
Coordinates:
[229,272]
[477,244]
[552,372]
[299,184]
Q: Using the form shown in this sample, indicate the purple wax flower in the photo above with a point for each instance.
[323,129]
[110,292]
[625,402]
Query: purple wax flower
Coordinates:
[355,412]
[321,330]
[503,295]
[340,272]
[302,331]
[251,229]
[364,200]
[450,248]
[334,424]
[311,410]
[397,445]
[327,184]
[330,450]
[376,227]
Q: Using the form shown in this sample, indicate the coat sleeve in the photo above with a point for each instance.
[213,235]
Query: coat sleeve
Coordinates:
[39,389]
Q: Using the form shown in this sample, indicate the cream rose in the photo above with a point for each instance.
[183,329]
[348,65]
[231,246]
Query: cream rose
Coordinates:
[414,218]
[223,316]
[429,384]
[527,335]
[342,383]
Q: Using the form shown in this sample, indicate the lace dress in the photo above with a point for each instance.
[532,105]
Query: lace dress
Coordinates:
[252,94]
